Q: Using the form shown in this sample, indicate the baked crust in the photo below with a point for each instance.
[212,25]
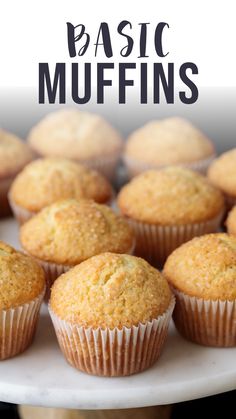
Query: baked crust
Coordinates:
[48,180]
[204,267]
[14,154]
[222,172]
[21,278]
[74,135]
[170,196]
[69,231]
[110,290]
[168,141]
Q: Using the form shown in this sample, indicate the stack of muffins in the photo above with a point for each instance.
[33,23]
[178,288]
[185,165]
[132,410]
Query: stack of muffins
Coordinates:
[97,269]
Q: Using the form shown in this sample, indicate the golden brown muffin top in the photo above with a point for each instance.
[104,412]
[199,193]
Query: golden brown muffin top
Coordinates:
[168,141]
[45,181]
[170,196]
[75,135]
[204,267]
[222,172]
[110,290]
[14,154]
[68,232]
[231,222]
[21,278]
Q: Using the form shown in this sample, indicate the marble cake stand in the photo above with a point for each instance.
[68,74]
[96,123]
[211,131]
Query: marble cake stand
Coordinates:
[41,376]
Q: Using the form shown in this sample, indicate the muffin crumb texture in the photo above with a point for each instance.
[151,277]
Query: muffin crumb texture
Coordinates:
[173,195]
[70,231]
[45,181]
[204,267]
[110,290]
[222,172]
[21,278]
[168,141]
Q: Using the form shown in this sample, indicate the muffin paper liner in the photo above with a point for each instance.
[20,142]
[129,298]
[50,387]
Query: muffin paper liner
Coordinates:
[206,322]
[18,326]
[156,242]
[5,185]
[54,270]
[105,165]
[113,352]
[135,167]
[22,214]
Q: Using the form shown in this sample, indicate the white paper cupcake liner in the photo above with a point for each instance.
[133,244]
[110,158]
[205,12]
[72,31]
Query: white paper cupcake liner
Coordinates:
[18,326]
[135,167]
[206,322]
[52,272]
[113,352]
[105,165]
[155,242]
[22,214]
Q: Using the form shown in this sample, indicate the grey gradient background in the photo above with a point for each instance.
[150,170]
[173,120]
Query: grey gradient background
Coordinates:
[214,112]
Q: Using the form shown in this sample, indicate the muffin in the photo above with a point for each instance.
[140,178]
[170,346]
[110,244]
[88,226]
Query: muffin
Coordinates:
[111,314]
[14,155]
[68,232]
[222,174]
[169,207]
[202,274]
[81,136]
[171,141]
[22,290]
[45,181]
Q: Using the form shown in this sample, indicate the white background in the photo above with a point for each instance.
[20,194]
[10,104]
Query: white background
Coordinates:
[35,31]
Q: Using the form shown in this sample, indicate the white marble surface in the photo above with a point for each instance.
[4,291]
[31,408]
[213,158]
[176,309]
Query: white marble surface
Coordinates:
[41,376]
